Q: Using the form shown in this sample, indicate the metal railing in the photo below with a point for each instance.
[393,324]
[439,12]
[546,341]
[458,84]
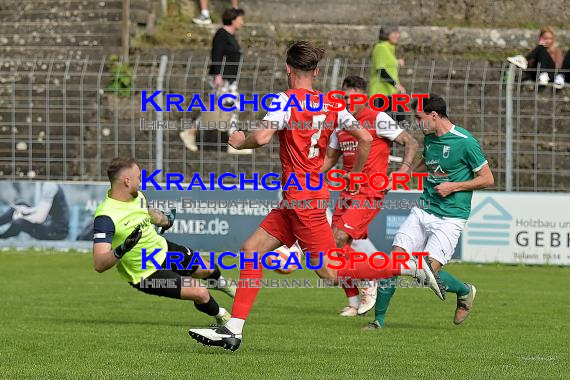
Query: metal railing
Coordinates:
[59,120]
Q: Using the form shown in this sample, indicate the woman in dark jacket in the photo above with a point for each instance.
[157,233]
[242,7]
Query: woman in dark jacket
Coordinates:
[224,68]
[545,61]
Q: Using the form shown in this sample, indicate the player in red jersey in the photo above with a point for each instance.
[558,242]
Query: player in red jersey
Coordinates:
[301,151]
[351,223]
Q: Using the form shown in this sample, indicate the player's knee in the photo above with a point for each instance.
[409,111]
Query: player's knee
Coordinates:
[248,248]
[203,296]
[340,237]
[199,295]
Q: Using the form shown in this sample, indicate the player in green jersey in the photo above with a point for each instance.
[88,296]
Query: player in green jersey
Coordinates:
[456,166]
[123,227]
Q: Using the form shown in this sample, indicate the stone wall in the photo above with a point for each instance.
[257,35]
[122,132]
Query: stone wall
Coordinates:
[66,28]
[357,40]
[81,28]
[478,13]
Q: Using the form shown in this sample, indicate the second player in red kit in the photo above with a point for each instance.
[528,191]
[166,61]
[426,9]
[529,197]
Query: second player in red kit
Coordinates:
[351,222]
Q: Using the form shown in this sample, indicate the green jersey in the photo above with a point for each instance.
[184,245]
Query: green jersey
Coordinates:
[115,220]
[453,157]
[383,57]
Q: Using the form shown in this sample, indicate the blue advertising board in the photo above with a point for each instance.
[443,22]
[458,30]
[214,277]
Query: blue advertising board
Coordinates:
[215,220]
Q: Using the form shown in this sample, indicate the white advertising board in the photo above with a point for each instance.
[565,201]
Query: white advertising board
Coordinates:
[518,228]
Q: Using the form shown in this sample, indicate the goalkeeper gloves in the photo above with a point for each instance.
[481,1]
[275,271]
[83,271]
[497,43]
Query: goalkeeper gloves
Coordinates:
[171,215]
[129,243]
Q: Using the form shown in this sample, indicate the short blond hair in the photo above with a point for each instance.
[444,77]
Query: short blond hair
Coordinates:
[547,29]
[117,165]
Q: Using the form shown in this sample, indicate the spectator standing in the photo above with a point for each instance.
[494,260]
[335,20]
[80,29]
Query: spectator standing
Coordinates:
[224,68]
[384,77]
[204,18]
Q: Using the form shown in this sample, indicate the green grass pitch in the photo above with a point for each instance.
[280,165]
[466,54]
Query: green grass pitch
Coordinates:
[61,319]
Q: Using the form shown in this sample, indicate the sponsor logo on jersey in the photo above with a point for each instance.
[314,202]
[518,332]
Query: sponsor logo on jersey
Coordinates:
[348,146]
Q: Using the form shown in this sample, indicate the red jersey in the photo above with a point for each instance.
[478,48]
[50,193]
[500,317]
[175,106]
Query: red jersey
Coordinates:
[303,144]
[383,130]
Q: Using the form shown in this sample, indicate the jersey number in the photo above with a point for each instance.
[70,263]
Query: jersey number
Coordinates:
[317,121]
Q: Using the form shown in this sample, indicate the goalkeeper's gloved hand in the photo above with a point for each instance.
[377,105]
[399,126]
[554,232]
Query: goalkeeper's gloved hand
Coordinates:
[129,243]
[171,215]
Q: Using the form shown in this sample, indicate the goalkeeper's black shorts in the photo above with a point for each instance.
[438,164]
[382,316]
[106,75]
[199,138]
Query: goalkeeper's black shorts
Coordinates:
[172,275]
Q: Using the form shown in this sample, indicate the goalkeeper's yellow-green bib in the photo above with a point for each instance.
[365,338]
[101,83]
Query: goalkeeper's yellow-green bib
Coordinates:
[126,216]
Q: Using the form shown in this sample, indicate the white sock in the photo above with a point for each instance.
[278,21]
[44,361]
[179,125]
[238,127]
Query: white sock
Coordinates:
[353,301]
[206,13]
[221,312]
[235,325]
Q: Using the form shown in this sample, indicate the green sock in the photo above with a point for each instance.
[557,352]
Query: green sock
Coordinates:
[452,284]
[383,296]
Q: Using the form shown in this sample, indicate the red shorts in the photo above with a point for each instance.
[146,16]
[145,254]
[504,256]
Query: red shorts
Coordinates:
[309,226]
[355,221]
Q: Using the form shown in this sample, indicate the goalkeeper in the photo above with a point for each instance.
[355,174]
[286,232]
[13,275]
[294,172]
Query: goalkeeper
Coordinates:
[122,228]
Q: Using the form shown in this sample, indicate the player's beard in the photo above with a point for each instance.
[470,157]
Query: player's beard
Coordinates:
[135,192]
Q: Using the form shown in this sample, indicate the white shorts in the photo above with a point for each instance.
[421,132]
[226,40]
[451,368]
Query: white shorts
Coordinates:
[423,232]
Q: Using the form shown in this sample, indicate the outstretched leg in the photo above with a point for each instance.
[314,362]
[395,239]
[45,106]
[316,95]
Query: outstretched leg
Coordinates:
[229,335]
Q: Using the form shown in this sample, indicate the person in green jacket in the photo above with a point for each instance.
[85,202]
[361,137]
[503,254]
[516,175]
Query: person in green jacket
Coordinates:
[384,66]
